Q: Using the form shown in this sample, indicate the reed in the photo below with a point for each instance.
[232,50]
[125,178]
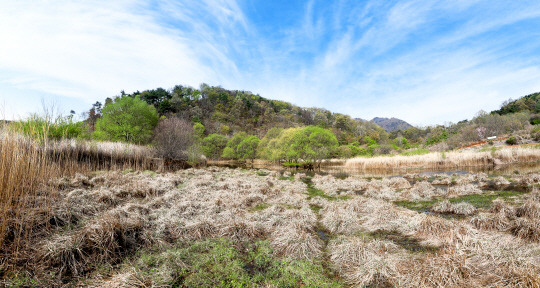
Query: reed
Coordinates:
[22,169]
[27,163]
[448,160]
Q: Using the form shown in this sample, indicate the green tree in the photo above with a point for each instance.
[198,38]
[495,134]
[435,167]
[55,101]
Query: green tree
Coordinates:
[198,129]
[247,149]
[232,144]
[213,145]
[128,119]
[310,144]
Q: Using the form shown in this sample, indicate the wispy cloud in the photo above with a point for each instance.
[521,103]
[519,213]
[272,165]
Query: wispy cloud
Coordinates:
[423,61]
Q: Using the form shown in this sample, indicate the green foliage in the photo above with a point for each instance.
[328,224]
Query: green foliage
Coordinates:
[511,140]
[528,103]
[247,149]
[44,127]
[198,130]
[535,133]
[241,147]
[230,151]
[221,263]
[224,129]
[535,120]
[127,119]
[482,201]
[213,145]
[311,143]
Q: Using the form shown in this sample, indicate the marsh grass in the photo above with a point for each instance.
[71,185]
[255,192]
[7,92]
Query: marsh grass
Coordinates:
[479,201]
[26,166]
[451,159]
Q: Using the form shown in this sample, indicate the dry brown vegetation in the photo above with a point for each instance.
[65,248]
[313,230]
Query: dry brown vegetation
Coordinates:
[27,165]
[447,160]
[95,228]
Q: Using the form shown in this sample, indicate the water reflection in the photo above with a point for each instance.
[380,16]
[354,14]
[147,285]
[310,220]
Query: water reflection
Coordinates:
[337,170]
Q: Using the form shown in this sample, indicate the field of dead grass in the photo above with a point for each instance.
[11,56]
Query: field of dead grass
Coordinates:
[220,227]
[450,159]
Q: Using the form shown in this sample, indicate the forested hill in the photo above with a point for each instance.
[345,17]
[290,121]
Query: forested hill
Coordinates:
[391,124]
[227,111]
[529,103]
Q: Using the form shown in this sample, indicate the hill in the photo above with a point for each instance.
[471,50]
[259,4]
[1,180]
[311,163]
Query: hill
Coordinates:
[228,111]
[529,103]
[391,124]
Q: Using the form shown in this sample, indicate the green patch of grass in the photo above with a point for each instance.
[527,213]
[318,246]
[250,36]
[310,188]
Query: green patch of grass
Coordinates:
[480,201]
[314,192]
[263,173]
[223,263]
[127,171]
[315,208]
[261,206]
[20,281]
[420,206]
[291,178]
[485,200]
[420,151]
[291,164]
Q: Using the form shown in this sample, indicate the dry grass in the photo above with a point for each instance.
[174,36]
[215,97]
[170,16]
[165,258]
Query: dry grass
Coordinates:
[365,239]
[462,208]
[31,174]
[449,160]
[363,263]
[23,168]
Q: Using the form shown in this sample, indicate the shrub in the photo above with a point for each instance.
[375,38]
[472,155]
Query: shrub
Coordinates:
[172,138]
[511,141]
[213,145]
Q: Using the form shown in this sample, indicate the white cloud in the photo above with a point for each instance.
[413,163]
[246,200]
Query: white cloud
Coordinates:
[370,59]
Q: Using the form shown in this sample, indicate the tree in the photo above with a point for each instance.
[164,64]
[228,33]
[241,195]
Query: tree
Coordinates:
[198,128]
[308,144]
[230,151]
[173,137]
[247,149]
[213,145]
[127,119]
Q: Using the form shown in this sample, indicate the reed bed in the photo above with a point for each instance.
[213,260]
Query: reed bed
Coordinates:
[447,160]
[28,164]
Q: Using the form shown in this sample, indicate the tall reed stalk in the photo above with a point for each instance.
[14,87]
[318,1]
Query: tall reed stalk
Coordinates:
[23,168]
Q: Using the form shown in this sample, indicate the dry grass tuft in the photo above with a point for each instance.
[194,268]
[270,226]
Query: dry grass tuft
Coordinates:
[526,229]
[462,208]
[296,243]
[463,189]
[362,263]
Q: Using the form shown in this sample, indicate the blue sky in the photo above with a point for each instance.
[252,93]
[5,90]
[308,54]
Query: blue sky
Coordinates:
[427,62]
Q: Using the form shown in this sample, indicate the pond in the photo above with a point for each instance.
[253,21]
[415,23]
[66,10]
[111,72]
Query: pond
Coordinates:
[339,169]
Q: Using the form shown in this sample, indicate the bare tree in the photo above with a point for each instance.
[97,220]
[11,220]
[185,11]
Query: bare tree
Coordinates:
[173,137]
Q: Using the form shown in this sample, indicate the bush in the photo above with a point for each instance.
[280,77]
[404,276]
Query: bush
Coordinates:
[511,141]
[535,134]
[127,119]
[172,138]
[213,145]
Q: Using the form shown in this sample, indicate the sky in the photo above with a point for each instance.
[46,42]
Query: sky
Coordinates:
[426,62]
